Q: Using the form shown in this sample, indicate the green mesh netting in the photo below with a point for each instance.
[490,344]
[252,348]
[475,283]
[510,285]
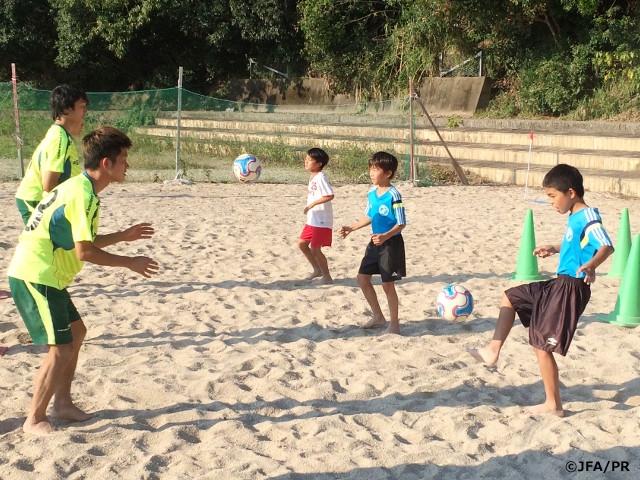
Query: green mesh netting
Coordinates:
[152,113]
[166,100]
[155,100]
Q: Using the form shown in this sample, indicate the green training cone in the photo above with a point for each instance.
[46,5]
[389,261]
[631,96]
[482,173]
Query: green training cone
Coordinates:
[627,310]
[623,246]
[527,267]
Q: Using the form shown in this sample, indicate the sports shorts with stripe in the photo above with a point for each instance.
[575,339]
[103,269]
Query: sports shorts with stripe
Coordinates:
[387,259]
[551,309]
[46,311]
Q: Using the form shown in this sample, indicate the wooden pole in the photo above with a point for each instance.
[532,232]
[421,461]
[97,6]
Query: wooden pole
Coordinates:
[16,114]
[456,165]
[412,175]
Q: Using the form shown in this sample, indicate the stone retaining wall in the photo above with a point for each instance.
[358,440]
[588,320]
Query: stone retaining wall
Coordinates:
[441,96]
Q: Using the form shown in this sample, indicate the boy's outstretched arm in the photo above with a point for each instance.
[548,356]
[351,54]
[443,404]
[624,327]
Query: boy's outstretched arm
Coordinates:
[88,252]
[590,267]
[136,232]
[363,222]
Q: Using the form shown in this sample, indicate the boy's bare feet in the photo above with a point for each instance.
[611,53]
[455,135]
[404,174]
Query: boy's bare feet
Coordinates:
[375,322]
[70,413]
[483,355]
[315,274]
[543,409]
[392,330]
[38,428]
[326,280]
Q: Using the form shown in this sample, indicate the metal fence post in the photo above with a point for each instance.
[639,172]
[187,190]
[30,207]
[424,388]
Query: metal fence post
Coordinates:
[178,122]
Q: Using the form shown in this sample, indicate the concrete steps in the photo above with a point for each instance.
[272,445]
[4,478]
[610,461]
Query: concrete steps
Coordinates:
[608,155]
[423,132]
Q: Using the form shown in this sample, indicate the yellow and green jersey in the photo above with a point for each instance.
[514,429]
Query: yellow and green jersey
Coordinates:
[46,251]
[56,153]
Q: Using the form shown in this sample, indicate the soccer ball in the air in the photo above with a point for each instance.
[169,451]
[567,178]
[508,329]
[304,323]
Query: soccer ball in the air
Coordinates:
[247,168]
[454,303]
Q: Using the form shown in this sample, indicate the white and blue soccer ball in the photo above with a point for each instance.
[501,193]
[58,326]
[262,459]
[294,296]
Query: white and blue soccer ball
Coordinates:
[247,168]
[454,303]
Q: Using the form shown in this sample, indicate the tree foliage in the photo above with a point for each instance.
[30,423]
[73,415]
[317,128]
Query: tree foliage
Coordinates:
[123,44]
[345,40]
[27,29]
[547,56]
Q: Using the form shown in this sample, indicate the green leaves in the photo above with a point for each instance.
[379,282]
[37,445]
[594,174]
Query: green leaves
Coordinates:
[549,55]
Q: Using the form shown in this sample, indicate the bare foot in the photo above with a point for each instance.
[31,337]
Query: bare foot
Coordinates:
[38,428]
[543,409]
[483,355]
[392,330]
[315,274]
[375,322]
[70,413]
[326,280]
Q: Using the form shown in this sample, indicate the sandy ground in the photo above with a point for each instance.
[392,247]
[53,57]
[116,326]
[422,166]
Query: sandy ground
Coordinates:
[226,365]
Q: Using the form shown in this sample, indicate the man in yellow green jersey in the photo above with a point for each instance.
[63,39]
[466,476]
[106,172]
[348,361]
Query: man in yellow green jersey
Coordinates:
[56,158]
[59,237]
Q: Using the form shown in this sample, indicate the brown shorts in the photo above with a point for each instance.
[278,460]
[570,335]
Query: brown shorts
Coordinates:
[550,310]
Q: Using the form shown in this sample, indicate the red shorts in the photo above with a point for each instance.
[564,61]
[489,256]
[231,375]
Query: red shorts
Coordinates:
[317,236]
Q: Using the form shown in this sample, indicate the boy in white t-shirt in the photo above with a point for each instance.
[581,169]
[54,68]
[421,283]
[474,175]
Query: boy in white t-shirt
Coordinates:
[317,232]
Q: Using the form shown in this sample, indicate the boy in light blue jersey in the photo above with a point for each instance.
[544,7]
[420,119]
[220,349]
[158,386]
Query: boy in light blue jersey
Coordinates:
[551,308]
[385,252]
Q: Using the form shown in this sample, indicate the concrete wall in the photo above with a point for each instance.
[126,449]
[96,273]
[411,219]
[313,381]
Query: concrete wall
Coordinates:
[441,96]
[455,95]
[309,91]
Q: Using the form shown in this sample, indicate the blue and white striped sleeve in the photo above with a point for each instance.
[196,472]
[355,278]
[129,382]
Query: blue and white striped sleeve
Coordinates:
[594,232]
[398,208]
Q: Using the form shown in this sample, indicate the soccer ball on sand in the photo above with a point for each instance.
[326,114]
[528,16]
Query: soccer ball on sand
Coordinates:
[454,303]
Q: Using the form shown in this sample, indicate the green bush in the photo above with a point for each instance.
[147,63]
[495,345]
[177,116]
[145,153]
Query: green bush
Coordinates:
[609,101]
[503,105]
[136,116]
[454,121]
[547,87]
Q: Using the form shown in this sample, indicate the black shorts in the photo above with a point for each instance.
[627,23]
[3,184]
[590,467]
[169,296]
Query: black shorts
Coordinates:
[386,259]
[550,309]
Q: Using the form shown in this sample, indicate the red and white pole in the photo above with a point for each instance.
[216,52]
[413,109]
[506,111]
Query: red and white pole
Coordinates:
[16,113]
